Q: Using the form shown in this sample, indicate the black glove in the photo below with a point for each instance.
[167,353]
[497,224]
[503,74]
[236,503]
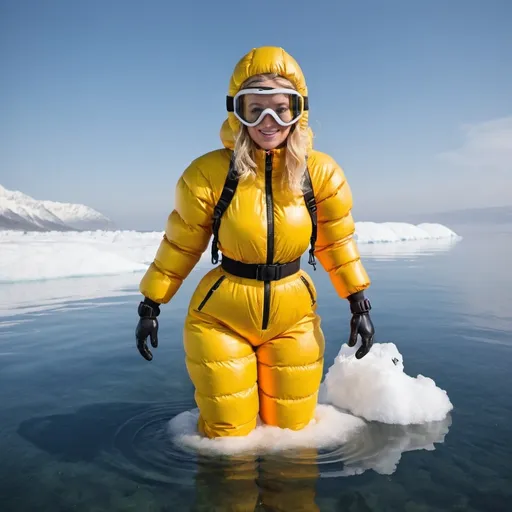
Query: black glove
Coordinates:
[361,324]
[147,326]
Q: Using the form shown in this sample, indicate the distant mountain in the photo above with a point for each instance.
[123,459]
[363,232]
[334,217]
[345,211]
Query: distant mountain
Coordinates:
[21,212]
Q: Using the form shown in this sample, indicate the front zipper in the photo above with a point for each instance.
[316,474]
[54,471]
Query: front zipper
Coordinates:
[270,235]
[305,281]
[210,292]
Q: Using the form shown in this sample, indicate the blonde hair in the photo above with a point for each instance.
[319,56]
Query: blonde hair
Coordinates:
[296,144]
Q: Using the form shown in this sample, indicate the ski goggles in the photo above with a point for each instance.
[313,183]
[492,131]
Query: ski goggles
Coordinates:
[286,106]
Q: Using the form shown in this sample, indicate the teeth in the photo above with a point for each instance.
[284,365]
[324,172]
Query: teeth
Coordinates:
[268,133]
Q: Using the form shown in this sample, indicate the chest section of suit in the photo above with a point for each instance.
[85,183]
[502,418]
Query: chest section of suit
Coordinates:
[265,222]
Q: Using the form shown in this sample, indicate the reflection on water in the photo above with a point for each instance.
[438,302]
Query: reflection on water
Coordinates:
[132,440]
[408,248]
[41,296]
[380,446]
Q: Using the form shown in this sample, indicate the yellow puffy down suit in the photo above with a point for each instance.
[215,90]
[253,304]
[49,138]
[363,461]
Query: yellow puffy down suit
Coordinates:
[256,347]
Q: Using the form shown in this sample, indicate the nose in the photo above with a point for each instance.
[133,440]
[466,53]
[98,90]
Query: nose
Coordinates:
[268,122]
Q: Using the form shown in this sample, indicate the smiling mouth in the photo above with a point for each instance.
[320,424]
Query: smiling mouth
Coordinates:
[268,133]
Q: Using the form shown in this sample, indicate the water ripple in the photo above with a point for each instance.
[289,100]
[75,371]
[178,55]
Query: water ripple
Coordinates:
[143,447]
[135,440]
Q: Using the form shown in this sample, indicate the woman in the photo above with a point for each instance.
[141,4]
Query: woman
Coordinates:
[252,336]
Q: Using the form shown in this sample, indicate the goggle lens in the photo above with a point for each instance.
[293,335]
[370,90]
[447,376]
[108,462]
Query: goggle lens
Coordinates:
[250,106]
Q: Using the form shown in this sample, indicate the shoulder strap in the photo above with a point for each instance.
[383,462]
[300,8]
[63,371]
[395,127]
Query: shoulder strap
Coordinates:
[227,195]
[222,205]
[309,198]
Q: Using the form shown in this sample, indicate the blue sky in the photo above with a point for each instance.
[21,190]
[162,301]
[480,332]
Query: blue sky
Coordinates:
[106,102]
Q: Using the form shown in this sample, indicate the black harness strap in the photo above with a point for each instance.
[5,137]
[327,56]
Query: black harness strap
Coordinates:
[227,195]
[309,198]
[222,205]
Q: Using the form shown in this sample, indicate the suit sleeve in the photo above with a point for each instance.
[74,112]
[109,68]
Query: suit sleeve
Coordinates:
[336,248]
[187,233]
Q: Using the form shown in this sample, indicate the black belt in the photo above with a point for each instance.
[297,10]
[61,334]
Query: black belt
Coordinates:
[260,272]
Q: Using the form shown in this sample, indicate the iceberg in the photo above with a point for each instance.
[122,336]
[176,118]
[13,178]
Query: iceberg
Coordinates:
[50,255]
[328,429]
[376,388]
[388,232]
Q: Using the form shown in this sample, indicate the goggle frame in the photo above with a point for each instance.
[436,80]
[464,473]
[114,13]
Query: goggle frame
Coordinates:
[231,103]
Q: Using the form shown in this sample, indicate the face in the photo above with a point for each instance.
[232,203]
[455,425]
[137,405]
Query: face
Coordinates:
[268,134]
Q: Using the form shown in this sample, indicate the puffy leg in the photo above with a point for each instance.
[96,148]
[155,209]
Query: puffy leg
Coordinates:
[222,367]
[289,374]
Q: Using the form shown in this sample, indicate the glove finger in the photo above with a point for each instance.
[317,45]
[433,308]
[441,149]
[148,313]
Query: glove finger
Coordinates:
[367,342]
[153,335]
[144,350]
[361,352]
[354,328]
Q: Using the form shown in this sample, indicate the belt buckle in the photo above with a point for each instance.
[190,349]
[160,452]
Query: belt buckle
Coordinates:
[268,272]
